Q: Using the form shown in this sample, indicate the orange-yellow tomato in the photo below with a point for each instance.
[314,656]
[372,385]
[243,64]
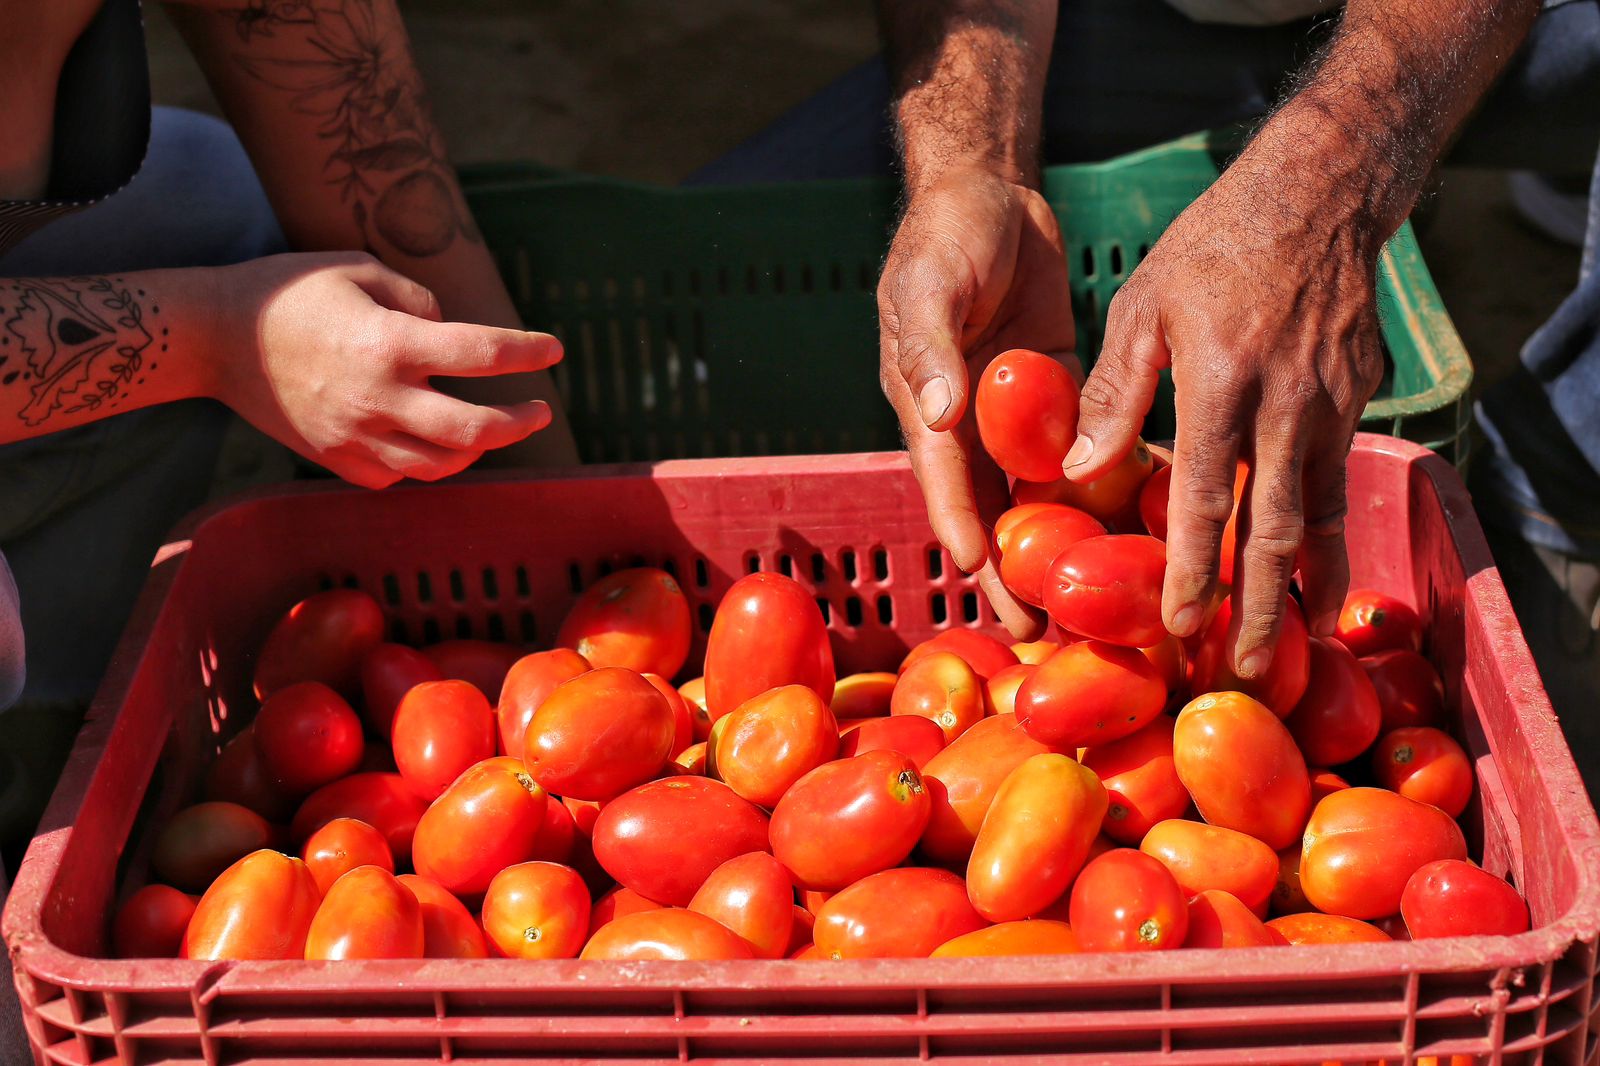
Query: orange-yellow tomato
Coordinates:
[1033,937]
[1034,652]
[1242,767]
[1035,837]
[367,914]
[773,740]
[666,933]
[1204,857]
[1218,920]
[694,694]
[1141,781]
[1314,928]
[637,619]
[1000,691]
[962,781]
[1363,844]
[943,688]
[863,695]
[259,908]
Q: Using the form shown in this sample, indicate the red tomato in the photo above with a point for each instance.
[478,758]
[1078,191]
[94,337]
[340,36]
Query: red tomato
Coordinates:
[1324,782]
[1013,517]
[615,904]
[862,695]
[1455,898]
[1363,844]
[682,717]
[388,672]
[489,818]
[986,655]
[1313,928]
[813,899]
[383,801]
[440,729]
[1285,681]
[307,736]
[536,910]
[531,679]
[1153,509]
[1408,688]
[694,694]
[773,740]
[962,780]
[239,776]
[1141,781]
[599,735]
[918,739]
[904,913]
[1027,407]
[1126,901]
[151,922]
[1090,693]
[1287,895]
[1109,588]
[768,632]
[478,662]
[850,818]
[1337,718]
[449,931]
[1107,497]
[584,814]
[1035,937]
[943,688]
[1030,546]
[1218,920]
[1171,660]
[558,836]
[322,638]
[367,914]
[752,895]
[1000,691]
[1242,768]
[800,929]
[664,838]
[200,842]
[1203,857]
[1425,764]
[1373,621]
[341,846]
[636,619]
[1034,652]
[693,759]
[259,908]
[1035,838]
[667,933]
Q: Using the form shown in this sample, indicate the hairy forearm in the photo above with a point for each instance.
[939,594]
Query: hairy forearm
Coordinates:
[968,81]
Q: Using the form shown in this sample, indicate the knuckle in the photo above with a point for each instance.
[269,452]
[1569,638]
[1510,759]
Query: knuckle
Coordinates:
[1210,504]
[919,352]
[1278,538]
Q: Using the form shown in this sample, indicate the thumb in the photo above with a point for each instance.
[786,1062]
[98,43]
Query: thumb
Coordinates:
[1119,391]
[925,299]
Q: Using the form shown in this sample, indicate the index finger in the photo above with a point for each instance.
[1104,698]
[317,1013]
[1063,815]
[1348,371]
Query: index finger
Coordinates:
[466,350]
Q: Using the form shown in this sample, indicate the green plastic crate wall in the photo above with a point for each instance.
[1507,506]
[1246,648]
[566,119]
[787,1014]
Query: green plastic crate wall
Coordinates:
[722,321]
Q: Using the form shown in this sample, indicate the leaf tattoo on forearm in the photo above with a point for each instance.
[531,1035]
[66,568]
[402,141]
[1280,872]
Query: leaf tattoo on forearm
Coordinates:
[352,71]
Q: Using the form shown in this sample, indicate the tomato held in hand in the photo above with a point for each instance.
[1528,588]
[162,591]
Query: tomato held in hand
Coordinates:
[599,735]
[449,931]
[1218,920]
[151,922]
[918,739]
[1363,844]
[1409,690]
[752,895]
[1337,718]
[1372,621]
[1313,928]
[341,846]
[531,679]
[1109,588]
[383,801]
[1153,509]
[239,776]
[1242,767]
[637,619]
[440,729]
[1203,857]
[1108,497]
[1090,693]
[862,695]
[489,818]
[1000,691]
[664,838]
[670,933]
[773,740]
[1033,542]
[1141,782]
[307,736]
[986,655]
[259,908]
[1027,406]
[768,632]
[962,780]
[200,842]
[388,672]
[1038,937]
[1427,765]
[1126,901]
[1035,838]
[1285,681]
[322,638]
[367,914]
[942,688]
[903,913]
[483,663]
[536,910]
[850,818]
[1455,898]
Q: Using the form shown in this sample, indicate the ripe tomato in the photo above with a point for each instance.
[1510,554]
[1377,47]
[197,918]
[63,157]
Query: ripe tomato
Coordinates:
[1425,764]
[341,846]
[1032,544]
[673,933]
[1036,937]
[1363,844]
[862,695]
[237,775]
[752,895]
[440,729]
[1285,681]
[1203,857]
[1455,898]
[1218,920]
[962,780]
[200,842]
[530,679]
[1141,782]
[1109,588]
[1408,688]
[1034,652]
[1242,767]
[388,672]
[986,655]
[616,903]
[483,663]
[813,899]
[773,740]
[637,619]
[367,914]
[1153,509]
[151,922]
[489,818]
[322,638]
[693,758]
[1171,660]
[1373,621]
[850,818]
[1126,901]
[917,738]
[664,838]
[449,931]
[1027,407]
[904,913]
[1324,782]
[682,717]
[599,735]
[694,694]
[1035,838]
[383,801]
[259,908]
[536,910]
[768,632]
[1014,517]
[307,736]
[1000,691]
[1090,693]
[1287,895]
[802,922]
[559,834]
[1337,718]
[1313,928]
[943,688]
[1107,497]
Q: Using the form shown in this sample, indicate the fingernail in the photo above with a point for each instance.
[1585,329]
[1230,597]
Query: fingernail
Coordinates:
[1187,620]
[1255,664]
[934,400]
[1325,624]
[1082,448]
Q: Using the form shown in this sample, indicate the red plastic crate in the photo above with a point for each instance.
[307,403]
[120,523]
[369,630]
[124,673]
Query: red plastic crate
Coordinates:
[503,558]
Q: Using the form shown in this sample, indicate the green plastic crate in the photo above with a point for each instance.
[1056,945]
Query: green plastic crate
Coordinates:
[723,321]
